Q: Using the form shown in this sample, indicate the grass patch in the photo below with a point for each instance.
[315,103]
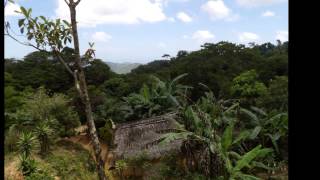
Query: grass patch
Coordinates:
[71,161]
[66,161]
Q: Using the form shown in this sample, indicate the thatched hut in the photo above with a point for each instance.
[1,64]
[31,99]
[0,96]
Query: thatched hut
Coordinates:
[143,136]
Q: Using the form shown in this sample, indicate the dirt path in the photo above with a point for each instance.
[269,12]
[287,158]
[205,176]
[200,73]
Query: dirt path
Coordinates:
[11,169]
[84,140]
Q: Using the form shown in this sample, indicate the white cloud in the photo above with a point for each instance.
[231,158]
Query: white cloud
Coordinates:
[268,14]
[10,8]
[101,37]
[182,16]
[282,35]
[256,3]
[217,10]
[233,17]
[165,2]
[248,37]
[92,13]
[171,19]
[203,36]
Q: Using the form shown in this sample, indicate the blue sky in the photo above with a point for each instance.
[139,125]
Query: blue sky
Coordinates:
[143,30]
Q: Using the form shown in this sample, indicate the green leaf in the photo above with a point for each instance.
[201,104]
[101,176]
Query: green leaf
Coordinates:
[255,132]
[274,139]
[66,22]
[243,135]
[253,117]
[29,11]
[169,137]
[277,117]
[43,18]
[24,11]
[263,152]
[261,165]
[178,77]
[174,100]
[234,154]
[247,177]
[226,140]
[247,158]
[30,36]
[258,110]
[232,107]
[20,22]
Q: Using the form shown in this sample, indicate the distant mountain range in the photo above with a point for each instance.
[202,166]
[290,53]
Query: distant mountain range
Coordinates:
[122,68]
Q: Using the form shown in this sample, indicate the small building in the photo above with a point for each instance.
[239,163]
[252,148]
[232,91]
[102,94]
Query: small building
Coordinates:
[144,136]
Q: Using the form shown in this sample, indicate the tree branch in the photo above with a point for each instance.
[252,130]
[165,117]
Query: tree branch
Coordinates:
[64,63]
[26,44]
[66,2]
[43,50]
[77,84]
[76,3]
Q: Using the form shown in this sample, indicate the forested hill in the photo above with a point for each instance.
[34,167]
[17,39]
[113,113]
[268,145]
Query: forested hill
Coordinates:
[215,65]
[230,100]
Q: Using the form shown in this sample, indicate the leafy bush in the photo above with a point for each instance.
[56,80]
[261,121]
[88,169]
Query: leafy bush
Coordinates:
[71,162]
[39,175]
[277,95]
[121,165]
[247,87]
[42,107]
[156,99]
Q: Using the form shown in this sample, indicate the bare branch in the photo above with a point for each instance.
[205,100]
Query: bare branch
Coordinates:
[66,2]
[24,43]
[76,3]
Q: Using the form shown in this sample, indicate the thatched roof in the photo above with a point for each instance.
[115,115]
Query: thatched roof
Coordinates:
[143,136]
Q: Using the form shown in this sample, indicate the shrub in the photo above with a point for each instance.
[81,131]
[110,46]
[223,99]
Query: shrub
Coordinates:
[40,175]
[26,144]
[27,165]
[11,138]
[106,132]
[121,165]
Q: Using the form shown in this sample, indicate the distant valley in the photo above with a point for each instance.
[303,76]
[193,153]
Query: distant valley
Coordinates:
[122,68]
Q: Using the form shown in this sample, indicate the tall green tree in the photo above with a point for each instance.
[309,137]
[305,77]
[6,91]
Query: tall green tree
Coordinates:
[247,87]
[55,34]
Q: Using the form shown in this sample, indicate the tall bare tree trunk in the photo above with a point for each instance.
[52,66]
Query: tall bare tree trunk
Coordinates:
[81,86]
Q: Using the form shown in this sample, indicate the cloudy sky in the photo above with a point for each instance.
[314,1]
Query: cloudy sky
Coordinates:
[144,30]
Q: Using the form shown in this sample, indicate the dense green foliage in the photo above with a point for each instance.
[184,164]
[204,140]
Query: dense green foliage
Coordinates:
[233,103]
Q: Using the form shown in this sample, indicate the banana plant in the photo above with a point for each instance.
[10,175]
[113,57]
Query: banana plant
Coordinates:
[267,126]
[161,97]
[234,162]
